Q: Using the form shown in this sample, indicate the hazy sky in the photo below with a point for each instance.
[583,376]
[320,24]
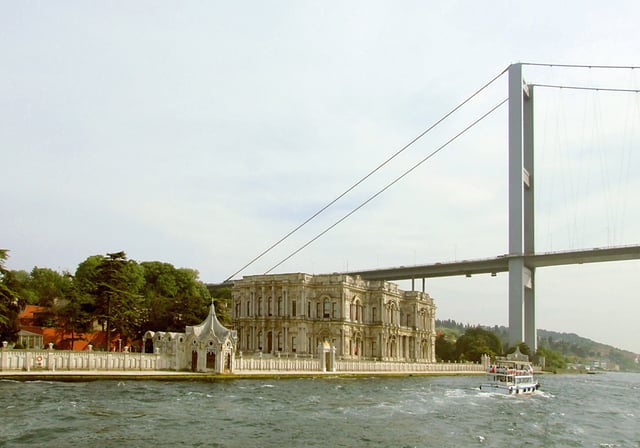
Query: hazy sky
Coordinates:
[199,133]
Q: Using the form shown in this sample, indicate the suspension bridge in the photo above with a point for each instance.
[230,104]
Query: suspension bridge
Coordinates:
[522,260]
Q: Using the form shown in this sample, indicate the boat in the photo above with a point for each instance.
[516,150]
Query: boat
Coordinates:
[511,375]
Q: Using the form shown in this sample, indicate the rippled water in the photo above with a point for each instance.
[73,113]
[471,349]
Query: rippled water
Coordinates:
[581,410]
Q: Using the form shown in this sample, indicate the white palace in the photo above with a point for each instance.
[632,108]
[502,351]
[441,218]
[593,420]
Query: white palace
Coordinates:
[362,320]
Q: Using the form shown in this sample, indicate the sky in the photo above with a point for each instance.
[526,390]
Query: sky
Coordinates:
[200,133]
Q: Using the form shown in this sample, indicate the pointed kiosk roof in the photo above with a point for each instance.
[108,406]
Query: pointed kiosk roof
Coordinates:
[211,327]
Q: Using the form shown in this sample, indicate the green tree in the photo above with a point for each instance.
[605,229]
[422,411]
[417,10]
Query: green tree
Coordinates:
[475,342]
[552,359]
[10,302]
[48,285]
[223,303]
[192,302]
[21,287]
[445,347]
[74,314]
[118,301]
[114,283]
[159,293]
[173,297]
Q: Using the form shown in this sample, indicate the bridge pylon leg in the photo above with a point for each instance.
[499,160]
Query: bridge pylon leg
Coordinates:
[521,210]
[522,325]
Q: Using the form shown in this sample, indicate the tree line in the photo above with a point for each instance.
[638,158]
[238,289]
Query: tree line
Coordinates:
[119,295]
[458,342]
[558,349]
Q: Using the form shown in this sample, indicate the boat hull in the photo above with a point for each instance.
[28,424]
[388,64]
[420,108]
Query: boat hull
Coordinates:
[520,389]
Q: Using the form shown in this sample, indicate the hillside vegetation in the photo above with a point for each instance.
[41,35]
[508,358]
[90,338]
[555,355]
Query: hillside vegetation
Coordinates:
[560,349]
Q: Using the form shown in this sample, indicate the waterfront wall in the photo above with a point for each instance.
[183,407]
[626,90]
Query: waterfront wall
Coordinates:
[61,360]
[52,360]
[269,364]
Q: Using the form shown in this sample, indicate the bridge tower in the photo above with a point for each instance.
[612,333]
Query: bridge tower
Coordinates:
[522,324]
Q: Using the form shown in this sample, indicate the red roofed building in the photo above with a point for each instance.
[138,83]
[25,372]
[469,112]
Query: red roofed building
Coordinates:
[36,331]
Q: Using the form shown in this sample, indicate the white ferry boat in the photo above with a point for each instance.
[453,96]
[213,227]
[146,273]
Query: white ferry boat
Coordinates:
[512,375]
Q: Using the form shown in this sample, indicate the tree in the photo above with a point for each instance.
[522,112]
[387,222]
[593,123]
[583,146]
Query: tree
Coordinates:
[114,283]
[223,302]
[174,298]
[10,302]
[74,314]
[192,302]
[48,285]
[475,342]
[445,347]
[118,302]
[552,359]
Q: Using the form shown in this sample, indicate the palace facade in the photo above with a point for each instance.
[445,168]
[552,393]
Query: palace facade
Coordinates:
[300,313]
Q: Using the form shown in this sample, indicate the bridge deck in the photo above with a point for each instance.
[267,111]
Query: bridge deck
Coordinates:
[501,263]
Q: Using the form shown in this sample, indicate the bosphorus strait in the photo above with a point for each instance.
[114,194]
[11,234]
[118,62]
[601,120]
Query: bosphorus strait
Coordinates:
[571,410]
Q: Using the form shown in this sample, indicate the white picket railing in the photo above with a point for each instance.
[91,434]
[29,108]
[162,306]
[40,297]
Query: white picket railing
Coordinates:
[52,360]
[67,360]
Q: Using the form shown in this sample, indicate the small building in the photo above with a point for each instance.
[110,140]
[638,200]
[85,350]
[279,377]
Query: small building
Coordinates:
[30,339]
[207,347]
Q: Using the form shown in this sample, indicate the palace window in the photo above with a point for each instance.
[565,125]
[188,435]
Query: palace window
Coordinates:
[374,314]
[269,306]
[279,310]
[294,346]
[334,310]
[260,306]
[293,308]
[327,309]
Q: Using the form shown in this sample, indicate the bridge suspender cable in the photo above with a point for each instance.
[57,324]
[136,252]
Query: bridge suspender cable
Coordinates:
[422,134]
[397,179]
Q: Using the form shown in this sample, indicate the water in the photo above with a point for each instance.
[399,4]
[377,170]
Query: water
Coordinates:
[572,410]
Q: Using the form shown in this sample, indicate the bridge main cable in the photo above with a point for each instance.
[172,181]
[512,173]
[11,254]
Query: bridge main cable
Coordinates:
[389,185]
[397,153]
